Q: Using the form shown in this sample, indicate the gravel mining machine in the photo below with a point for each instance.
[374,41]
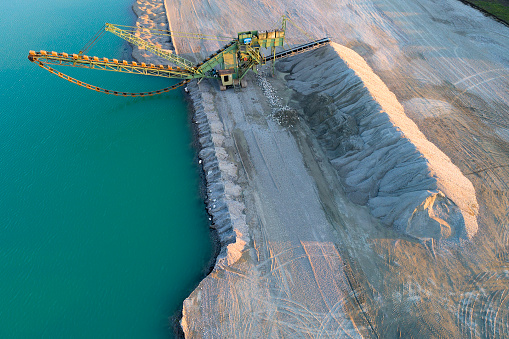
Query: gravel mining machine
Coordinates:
[229,64]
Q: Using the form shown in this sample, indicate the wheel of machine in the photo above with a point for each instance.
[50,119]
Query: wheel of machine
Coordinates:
[243,83]
[222,88]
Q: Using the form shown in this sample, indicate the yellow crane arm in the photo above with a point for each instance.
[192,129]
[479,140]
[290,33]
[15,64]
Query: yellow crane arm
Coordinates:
[84,61]
[42,58]
[168,55]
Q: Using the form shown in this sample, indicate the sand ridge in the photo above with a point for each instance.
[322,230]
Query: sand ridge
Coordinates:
[151,14]
[405,179]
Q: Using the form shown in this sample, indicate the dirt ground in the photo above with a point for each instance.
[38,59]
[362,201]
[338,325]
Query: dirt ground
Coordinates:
[348,275]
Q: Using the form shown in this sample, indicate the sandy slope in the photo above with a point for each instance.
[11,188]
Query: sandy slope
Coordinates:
[448,67]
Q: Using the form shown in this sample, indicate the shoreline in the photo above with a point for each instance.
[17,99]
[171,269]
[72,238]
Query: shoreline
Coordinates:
[204,142]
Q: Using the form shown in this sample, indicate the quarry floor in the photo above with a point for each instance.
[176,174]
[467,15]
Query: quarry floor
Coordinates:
[347,276]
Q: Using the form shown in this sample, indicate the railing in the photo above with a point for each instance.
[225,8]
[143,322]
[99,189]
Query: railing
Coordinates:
[298,49]
[44,58]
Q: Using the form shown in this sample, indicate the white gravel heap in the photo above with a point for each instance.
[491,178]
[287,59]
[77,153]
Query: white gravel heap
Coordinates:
[284,115]
[383,159]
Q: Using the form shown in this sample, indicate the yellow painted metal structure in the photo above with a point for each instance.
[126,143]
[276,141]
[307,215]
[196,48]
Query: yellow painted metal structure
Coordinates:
[168,55]
[105,64]
[230,63]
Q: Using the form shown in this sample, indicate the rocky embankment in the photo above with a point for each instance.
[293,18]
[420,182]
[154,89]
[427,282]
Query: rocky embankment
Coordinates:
[446,64]
[224,195]
[383,159]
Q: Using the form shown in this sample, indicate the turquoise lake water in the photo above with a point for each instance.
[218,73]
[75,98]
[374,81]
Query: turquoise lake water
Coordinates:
[102,229]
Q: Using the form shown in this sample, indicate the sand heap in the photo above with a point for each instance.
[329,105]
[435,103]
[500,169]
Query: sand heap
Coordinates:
[151,15]
[382,157]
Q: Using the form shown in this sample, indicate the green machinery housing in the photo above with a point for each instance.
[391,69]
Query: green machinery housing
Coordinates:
[245,54]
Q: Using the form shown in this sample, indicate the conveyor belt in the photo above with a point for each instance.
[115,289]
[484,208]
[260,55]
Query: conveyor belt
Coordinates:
[84,61]
[298,49]
[42,59]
